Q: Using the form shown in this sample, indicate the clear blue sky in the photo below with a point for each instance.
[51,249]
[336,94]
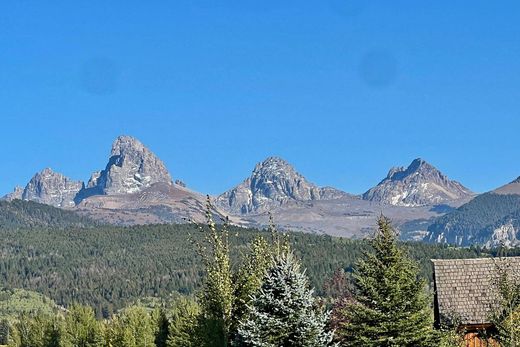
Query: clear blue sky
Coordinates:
[343,89]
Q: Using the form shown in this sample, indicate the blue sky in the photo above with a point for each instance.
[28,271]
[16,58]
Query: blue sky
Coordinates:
[343,89]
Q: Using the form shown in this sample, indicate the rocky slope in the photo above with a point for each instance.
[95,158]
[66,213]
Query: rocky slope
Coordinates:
[48,187]
[158,204]
[273,184]
[131,168]
[16,194]
[512,187]
[136,188]
[491,219]
[417,185]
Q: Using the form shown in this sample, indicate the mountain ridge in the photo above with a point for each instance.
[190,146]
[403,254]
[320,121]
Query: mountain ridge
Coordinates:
[273,183]
[416,185]
[136,188]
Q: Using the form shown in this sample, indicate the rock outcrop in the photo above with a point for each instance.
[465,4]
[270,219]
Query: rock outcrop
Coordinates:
[52,188]
[274,183]
[16,194]
[131,168]
[417,185]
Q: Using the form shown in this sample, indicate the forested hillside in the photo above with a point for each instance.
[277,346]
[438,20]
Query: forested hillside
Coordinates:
[475,221]
[27,214]
[18,301]
[107,267]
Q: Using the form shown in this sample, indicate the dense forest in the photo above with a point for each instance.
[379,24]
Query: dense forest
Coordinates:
[252,289]
[27,214]
[474,222]
[108,267]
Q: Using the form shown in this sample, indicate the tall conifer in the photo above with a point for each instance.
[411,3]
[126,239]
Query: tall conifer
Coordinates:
[390,306]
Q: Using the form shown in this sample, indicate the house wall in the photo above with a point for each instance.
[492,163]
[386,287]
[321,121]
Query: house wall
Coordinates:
[474,340]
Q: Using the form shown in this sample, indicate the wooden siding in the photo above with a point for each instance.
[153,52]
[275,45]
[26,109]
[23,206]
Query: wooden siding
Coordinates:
[474,340]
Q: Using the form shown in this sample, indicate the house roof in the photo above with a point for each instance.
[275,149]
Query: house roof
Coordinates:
[465,289]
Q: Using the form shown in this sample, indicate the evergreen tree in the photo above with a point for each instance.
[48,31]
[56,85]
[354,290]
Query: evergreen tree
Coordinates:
[31,331]
[183,324]
[54,332]
[133,327]
[390,305]
[161,323]
[4,332]
[284,312]
[81,328]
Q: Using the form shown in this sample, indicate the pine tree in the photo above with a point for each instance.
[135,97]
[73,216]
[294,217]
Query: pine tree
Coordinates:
[54,332]
[31,330]
[284,312]
[81,328]
[390,305]
[161,323]
[183,324]
[133,327]
[4,332]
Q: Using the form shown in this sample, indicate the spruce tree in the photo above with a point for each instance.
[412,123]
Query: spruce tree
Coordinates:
[133,327]
[390,306]
[160,320]
[4,332]
[284,311]
[183,324]
[81,328]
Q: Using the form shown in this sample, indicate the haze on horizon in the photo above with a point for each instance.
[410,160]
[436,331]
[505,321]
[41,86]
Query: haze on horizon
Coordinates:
[343,90]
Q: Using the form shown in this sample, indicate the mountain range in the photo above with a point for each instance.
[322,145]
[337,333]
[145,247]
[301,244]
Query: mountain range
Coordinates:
[136,188]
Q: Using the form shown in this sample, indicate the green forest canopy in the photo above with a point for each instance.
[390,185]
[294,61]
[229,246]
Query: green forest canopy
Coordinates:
[108,267]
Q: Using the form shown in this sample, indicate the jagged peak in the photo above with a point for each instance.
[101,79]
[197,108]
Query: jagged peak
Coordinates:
[417,165]
[420,183]
[273,161]
[130,168]
[273,183]
[48,171]
[124,143]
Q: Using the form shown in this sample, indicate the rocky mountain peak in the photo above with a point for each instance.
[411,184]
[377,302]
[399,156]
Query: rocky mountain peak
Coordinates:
[273,183]
[274,168]
[417,166]
[418,184]
[52,188]
[16,194]
[131,168]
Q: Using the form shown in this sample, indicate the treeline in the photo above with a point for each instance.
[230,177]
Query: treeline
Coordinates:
[474,222]
[28,214]
[265,299]
[109,267]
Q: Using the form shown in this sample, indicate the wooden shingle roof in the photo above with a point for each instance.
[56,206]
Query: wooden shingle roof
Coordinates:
[465,289]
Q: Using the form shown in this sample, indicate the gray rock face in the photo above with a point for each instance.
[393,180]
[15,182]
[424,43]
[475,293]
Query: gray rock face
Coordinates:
[506,235]
[417,185]
[52,188]
[273,183]
[16,194]
[131,168]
